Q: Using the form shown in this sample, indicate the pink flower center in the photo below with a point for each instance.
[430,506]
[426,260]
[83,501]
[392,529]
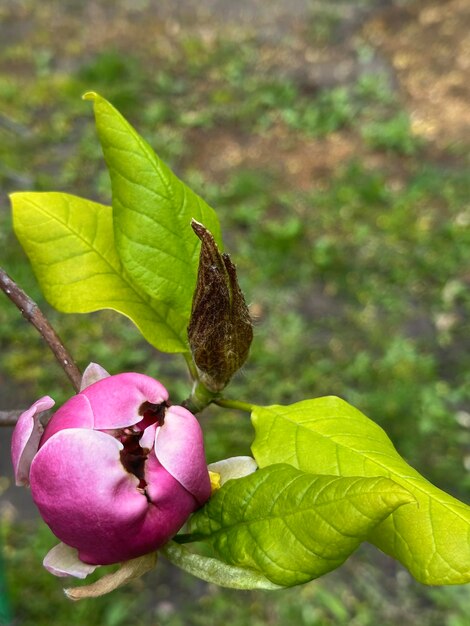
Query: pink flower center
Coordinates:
[133,455]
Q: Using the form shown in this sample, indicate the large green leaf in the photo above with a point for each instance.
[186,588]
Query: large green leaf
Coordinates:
[329,436]
[152,210]
[291,526]
[70,243]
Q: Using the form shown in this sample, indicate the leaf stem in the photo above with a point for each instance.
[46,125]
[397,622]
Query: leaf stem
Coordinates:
[234,404]
[200,398]
[32,313]
[191,366]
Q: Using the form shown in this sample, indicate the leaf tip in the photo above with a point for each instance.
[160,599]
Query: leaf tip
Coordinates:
[90,95]
[405,497]
[16,198]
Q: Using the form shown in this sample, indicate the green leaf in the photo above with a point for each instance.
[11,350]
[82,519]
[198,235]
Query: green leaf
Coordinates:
[214,571]
[70,243]
[291,526]
[152,211]
[329,436]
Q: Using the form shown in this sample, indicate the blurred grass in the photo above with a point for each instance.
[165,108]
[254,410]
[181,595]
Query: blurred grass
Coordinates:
[351,236]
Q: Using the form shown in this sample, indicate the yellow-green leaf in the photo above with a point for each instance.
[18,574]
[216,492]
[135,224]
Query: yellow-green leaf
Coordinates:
[291,526]
[329,436]
[70,243]
[152,211]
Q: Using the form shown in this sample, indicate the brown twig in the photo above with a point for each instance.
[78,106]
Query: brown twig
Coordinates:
[9,418]
[31,312]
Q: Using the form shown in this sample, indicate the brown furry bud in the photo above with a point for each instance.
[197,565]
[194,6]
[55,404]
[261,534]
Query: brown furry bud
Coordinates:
[220,330]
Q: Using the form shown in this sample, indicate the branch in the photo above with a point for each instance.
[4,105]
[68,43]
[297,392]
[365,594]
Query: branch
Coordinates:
[31,312]
[9,418]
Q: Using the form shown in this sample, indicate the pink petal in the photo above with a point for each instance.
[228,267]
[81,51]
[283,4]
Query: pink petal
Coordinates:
[166,492]
[179,447]
[147,441]
[62,560]
[92,503]
[26,437]
[75,413]
[116,400]
[169,496]
[92,374]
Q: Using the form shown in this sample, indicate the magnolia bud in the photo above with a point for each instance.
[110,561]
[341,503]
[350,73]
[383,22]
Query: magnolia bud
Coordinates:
[220,330]
[115,473]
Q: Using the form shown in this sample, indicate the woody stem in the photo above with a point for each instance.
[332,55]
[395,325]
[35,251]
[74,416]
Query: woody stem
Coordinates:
[31,312]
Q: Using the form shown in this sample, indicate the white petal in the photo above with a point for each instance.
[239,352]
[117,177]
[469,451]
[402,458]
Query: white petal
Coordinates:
[233,467]
[129,570]
[92,374]
[63,560]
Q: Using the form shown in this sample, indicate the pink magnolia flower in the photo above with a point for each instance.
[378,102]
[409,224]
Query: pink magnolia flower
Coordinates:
[117,471]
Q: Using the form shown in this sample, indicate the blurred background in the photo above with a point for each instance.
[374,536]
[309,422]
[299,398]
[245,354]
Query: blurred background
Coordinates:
[332,139]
